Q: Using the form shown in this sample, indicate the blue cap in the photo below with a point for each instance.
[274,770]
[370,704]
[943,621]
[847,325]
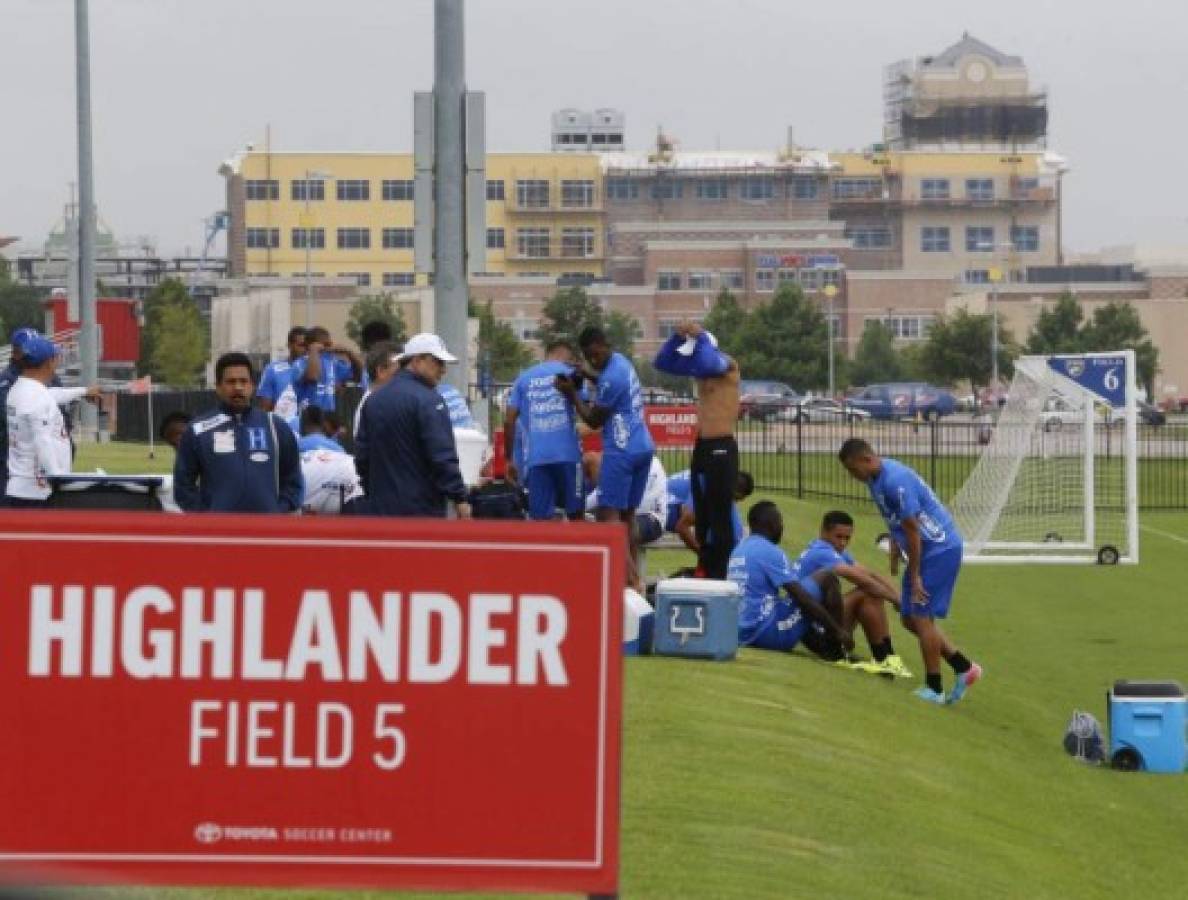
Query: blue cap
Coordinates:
[39,349]
[22,336]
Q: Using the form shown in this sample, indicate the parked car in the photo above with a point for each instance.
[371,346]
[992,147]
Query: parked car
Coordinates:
[822,409]
[904,400]
[1059,414]
[763,400]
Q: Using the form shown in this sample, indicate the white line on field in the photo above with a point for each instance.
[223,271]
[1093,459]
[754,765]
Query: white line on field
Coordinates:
[1167,534]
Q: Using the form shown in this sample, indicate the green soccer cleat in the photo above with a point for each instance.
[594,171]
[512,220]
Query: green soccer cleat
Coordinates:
[894,665]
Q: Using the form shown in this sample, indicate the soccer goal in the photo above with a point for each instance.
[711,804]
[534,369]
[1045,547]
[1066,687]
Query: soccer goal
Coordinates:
[1058,481]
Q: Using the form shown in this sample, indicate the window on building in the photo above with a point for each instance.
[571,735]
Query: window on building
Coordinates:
[577,194]
[764,280]
[1025,238]
[398,238]
[399,279]
[397,189]
[261,189]
[353,189]
[976,276]
[934,189]
[979,190]
[263,238]
[622,189]
[1024,186]
[810,279]
[934,239]
[979,238]
[363,279]
[830,277]
[495,239]
[711,189]
[700,280]
[857,188]
[787,276]
[757,187]
[533,243]
[803,188]
[532,193]
[313,189]
[732,279]
[577,242]
[906,328]
[667,189]
[316,238]
[354,238]
[495,189]
[668,281]
[870,238]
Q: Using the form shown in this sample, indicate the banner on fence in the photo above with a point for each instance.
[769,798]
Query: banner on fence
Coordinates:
[276,701]
[672,426]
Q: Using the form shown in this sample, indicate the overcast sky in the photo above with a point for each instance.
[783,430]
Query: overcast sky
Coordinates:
[180,84]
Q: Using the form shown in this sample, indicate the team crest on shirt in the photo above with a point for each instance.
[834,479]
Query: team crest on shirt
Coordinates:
[257,439]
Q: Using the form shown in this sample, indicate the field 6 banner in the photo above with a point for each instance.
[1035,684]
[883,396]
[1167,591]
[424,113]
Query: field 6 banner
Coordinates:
[314,702]
[672,426]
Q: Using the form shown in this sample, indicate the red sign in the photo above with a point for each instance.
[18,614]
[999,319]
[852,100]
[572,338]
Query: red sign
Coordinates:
[672,426]
[314,702]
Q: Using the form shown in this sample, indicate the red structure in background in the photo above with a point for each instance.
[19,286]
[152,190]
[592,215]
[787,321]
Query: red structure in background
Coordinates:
[119,324]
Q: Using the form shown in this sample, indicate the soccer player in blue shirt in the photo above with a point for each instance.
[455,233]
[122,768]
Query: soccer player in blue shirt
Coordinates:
[553,456]
[762,571]
[924,531]
[682,518]
[627,447]
[318,375]
[275,392]
[863,604]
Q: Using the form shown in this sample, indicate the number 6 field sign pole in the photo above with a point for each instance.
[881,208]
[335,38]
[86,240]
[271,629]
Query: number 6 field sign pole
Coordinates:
[211,700]
[1048,488]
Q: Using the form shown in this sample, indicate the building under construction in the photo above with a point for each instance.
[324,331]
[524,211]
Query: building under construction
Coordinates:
[969,96]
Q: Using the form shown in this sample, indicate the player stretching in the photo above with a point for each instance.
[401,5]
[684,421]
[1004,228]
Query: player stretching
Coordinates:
[922,527]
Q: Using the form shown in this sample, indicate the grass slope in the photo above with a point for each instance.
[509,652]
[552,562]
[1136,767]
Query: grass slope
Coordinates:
[778,776]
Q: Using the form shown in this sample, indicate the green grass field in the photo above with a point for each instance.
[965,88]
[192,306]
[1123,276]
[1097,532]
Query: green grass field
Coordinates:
[779,776]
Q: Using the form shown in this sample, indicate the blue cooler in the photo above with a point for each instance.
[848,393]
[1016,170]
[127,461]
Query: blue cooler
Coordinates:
[697,617]
[638,622]
[1147,726]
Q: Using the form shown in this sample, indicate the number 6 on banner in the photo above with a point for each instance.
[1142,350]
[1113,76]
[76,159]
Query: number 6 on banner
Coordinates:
[1110,380]
[386,731]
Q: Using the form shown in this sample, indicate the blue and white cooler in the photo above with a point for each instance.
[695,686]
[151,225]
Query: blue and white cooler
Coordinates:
[638,621]
[697,618]
[1147,726]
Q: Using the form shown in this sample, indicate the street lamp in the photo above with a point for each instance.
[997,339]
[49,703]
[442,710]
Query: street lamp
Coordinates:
[307,226]
[995,276]
[830,292]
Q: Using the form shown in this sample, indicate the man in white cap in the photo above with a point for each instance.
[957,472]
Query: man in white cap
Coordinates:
[693,351]
[38,443]
[405,450]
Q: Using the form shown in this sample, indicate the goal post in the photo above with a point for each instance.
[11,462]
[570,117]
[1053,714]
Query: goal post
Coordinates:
[1058,481]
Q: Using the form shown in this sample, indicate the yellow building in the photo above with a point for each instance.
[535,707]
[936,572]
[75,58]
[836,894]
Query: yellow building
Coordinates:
[356,212]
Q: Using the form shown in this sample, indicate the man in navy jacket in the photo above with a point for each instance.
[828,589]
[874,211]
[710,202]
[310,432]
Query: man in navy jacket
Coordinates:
[405,450]
[236,458]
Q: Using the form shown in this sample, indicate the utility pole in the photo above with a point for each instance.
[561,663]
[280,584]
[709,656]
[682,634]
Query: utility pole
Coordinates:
[88,343]
[449,279]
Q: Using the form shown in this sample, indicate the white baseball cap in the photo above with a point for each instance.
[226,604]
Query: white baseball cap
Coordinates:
[687,348]
[423,343]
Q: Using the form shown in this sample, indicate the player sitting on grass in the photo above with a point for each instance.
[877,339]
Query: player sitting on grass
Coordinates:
[924,529]
[762,571]
[862,605]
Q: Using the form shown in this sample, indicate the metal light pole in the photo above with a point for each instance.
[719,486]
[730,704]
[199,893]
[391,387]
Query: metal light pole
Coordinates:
[307,224]
[995,276]
[88,337]
[830,293]
[449,268]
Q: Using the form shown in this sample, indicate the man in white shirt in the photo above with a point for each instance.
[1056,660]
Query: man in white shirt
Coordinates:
[38,443]
[331,482]
[653,508]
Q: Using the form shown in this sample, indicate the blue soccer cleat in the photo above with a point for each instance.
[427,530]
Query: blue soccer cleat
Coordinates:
[965,680]
[928,695]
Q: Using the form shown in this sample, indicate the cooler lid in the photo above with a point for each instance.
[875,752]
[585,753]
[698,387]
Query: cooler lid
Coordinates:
[705,587]
[1162,689]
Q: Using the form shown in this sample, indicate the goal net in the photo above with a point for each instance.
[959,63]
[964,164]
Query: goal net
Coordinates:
[1057,482]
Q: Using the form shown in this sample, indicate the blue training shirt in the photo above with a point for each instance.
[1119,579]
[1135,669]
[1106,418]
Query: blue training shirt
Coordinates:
[899,494]
[618,390]
[276,385]
[547,417]
[456,406]
[818,555]
[335,370]
[760,569]
[318,442]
